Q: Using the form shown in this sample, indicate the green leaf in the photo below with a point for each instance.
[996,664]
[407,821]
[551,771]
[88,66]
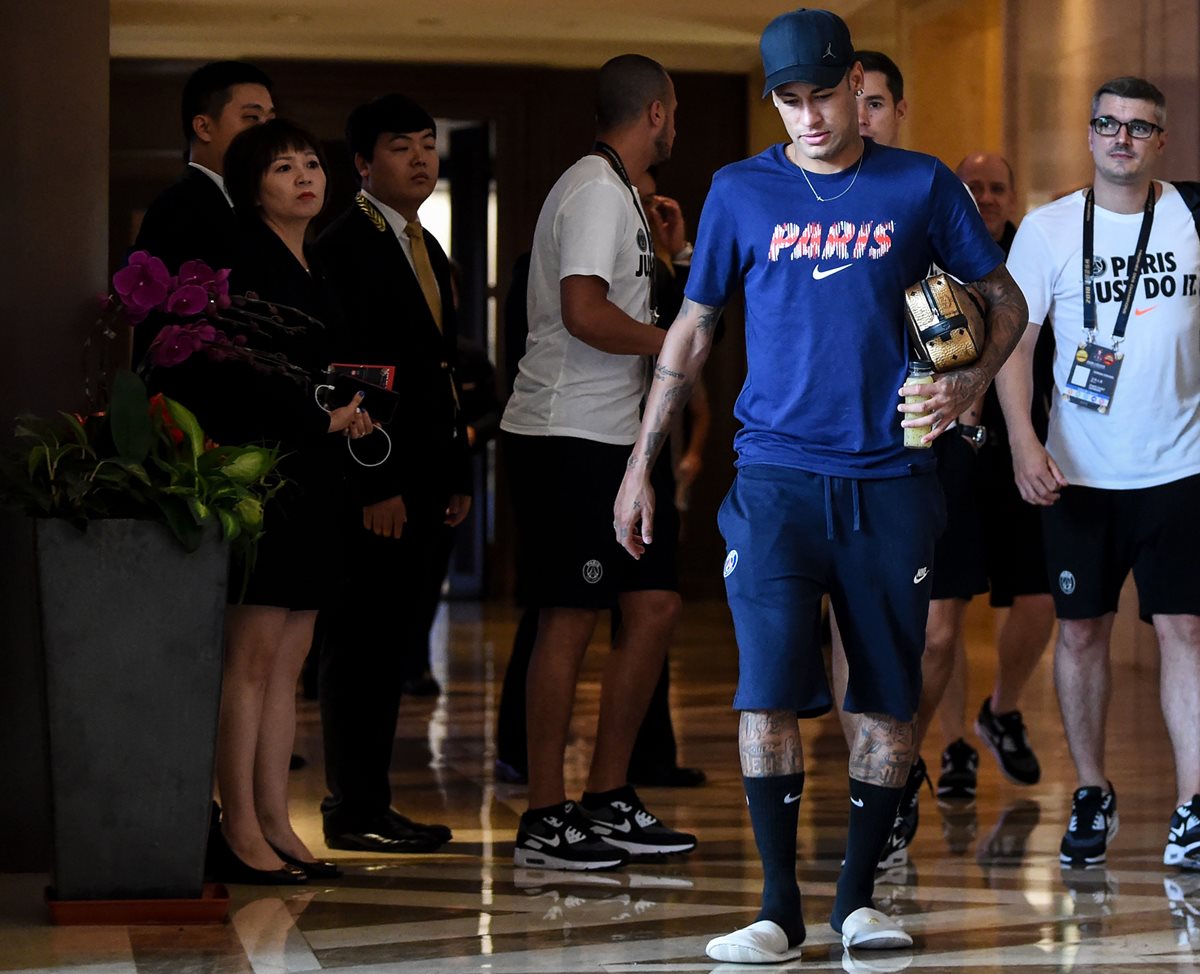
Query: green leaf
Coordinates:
[76,428]
[229,525]
[186,420]
[129,413]
[180,521]
[37,457]
[199,510]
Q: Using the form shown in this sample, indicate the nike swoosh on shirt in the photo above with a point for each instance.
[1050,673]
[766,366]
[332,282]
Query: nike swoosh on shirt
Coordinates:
[1143,311]
[819,274]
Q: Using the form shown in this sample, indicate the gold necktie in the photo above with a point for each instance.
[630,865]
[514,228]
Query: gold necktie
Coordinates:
[424,269]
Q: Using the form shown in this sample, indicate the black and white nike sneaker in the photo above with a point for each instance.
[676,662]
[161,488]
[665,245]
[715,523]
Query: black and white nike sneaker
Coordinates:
[1183,837]
[1093,824]
[560,837]
[620,818]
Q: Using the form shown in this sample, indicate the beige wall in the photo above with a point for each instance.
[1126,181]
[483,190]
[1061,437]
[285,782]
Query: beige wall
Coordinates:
[1059,53]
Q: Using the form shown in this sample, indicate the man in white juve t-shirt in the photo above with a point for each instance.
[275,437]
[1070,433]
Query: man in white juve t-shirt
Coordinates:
[1119,476]
[573,415]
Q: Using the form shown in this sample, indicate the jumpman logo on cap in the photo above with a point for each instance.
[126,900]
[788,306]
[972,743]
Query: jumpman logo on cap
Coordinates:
[829,52]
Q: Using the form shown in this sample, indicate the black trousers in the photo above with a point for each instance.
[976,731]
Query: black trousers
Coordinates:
[654,748]
[391,598]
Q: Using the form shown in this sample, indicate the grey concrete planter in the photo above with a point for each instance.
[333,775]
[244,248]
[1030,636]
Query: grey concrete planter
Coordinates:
[133,635]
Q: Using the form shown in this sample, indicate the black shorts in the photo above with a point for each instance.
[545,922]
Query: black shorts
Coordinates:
[791,537]
[1014,549]
[1094,537]
[563,491]
[959,571]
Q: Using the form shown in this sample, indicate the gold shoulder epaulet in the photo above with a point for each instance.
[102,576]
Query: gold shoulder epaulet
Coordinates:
[372,212]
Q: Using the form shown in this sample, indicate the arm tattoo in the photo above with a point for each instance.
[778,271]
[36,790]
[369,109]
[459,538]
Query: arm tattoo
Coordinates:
[1007,316]
[883,751]
[672,387]
[769,744]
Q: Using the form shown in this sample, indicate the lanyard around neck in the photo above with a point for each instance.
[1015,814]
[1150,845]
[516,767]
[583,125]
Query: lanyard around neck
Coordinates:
[614,160]
[1135,268]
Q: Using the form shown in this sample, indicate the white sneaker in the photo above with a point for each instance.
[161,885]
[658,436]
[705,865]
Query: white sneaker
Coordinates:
[868,929]
[763,942]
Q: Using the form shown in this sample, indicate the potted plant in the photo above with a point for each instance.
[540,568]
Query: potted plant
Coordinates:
[135,513]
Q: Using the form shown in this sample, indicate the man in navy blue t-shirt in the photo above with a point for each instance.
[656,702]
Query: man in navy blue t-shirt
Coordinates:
[823,234]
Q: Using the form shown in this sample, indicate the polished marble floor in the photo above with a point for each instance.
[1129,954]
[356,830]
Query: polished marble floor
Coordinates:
[984,889]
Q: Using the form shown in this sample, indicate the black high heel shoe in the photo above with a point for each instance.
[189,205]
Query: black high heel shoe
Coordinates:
[223,865]
[317,869]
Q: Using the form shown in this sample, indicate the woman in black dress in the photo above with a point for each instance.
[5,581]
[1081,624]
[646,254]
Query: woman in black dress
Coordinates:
[275,177]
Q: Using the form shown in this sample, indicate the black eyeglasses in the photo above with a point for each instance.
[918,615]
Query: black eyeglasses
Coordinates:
[1136,127]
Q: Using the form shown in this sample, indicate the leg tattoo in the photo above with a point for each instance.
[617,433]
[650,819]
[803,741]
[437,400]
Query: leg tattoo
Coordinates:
[769,743]
[883,751]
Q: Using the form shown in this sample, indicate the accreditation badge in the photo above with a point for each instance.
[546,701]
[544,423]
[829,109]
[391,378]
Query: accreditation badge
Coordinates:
[1092,381]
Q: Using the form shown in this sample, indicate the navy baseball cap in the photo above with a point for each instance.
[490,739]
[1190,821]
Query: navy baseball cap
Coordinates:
[809,46]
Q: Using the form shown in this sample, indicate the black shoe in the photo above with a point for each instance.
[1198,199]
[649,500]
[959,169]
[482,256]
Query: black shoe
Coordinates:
[908,817]
[1005,736]
[314,869]
[222,865]
[562,838]
[510,773]
[624,822]
[1183,836]
[960,764]
[423,685]
[1093,822]
[381,840]
[403,826]
[667,777]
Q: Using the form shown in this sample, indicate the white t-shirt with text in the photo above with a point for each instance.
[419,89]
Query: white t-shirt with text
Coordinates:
[589,226]
[1151,433]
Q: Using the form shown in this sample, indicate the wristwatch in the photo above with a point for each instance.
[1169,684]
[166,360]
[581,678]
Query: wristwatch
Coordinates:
[973,434]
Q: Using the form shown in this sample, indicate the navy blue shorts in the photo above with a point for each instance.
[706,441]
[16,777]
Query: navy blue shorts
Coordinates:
[792,537]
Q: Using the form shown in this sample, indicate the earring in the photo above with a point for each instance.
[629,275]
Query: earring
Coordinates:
[858,93]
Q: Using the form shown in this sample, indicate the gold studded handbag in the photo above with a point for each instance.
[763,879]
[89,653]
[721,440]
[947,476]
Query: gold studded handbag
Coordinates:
[945,322]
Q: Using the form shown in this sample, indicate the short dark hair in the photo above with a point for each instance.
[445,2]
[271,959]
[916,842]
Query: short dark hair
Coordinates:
[1136,88]
[625,86]
[878,61]
[251,153]
[209,89]
[387,113]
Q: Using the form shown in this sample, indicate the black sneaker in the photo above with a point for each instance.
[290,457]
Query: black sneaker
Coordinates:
[1093,822]
[561,838]
[960,766]
[624,822]
[1183,838]
[1005,736]
[908,816]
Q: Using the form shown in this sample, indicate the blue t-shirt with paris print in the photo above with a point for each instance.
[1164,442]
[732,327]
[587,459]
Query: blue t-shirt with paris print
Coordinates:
[826,343]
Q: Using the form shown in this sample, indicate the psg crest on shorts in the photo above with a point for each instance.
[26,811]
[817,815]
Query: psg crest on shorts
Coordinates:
[730,562]
[593,571]
[1066,582]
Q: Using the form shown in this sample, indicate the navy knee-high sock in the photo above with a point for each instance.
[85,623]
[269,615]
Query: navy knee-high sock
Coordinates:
[774,812]
[872,815]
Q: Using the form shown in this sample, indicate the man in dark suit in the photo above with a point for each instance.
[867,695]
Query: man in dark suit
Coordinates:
[192,219]
[393,280]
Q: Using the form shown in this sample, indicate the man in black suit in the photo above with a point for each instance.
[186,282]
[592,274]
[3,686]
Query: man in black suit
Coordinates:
[192,219]
[393,281]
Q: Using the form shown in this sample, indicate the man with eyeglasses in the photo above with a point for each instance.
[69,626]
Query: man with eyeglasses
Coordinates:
[1119,476]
